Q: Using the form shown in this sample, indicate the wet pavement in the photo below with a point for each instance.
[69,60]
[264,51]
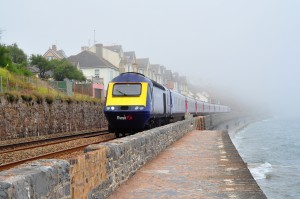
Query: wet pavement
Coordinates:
[202,164]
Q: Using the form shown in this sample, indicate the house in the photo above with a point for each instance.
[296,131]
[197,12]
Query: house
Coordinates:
[157,74]
[168,79]
[36,71]
[94,66]
[183,86]
[204,96]
[114,54]
[53,53]
[143,66]
[176,81]
[129,62]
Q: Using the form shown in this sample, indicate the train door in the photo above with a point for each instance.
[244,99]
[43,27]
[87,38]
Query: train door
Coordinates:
[165,104]
[186,106]
[171,104]
[150,97]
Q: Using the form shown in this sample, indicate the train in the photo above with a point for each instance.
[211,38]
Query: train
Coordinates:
[135,103]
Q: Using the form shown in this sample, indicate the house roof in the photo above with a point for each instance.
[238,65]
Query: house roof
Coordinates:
[34,69]
[182,80]
[59,54]
[87,59]
[155,68]
[130,55]
[175,76]
[129,58]
[168,75]
[143,62]
[62,53]
[115,48]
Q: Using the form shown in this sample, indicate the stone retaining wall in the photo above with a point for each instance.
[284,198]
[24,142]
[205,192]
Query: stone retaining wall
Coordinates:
[41,179]
[212,121]
[27,119]
[98,172]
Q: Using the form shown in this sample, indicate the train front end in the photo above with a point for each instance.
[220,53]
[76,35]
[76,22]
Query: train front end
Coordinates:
[126,107]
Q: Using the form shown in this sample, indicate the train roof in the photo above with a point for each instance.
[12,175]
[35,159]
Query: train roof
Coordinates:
[131,77]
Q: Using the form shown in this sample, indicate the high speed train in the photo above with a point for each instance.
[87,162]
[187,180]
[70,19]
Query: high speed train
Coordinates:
[135,103]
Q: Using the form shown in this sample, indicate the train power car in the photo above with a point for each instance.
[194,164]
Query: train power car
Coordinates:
[135,103]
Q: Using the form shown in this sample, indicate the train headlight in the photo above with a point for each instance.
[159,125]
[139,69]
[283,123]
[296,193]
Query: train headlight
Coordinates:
[112,108]
[141,108]
[136,108]
[107,108]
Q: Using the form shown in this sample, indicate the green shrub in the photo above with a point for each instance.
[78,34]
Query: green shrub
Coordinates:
[69,100]
[38,98]
[49,99]
[11,97]
[26,98]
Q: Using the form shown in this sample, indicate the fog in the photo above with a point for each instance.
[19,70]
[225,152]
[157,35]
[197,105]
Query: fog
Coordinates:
[246,50]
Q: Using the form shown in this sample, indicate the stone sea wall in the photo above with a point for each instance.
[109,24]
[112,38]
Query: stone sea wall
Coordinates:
[23,119]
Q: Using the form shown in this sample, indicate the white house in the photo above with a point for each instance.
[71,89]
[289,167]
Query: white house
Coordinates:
[93,65]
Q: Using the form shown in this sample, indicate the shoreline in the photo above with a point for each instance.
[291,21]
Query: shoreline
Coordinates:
[235,126]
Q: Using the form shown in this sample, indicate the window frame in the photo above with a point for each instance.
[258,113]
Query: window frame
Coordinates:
[126,95]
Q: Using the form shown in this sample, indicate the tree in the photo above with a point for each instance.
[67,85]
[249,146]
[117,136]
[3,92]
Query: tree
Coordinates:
[6,62]
[18,56]
[5,59]
[42,63]
[64,69]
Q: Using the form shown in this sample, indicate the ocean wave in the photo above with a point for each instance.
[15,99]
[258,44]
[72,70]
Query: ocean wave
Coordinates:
[260,171]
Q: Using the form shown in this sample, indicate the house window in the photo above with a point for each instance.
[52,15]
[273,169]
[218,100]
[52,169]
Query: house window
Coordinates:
[50,58]
[111,75]
[97,72]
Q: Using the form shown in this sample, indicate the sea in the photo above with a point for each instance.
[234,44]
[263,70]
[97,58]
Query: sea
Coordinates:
[271,148]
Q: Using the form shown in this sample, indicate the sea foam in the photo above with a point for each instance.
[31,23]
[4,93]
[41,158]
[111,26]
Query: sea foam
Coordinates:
[260,171]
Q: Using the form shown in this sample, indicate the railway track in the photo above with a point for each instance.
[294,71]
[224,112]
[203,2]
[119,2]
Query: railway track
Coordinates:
[34,143]
[12,158]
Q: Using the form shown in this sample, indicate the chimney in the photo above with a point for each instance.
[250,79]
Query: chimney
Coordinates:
[83,48]
[99,50]
[54,47]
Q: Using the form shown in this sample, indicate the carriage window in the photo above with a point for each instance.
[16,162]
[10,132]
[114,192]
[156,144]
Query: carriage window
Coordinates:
[127,89]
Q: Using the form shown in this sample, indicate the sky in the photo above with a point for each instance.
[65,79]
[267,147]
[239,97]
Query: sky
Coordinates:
[247,49]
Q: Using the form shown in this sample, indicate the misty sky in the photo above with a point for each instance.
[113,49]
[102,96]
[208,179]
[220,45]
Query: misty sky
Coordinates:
[249,49]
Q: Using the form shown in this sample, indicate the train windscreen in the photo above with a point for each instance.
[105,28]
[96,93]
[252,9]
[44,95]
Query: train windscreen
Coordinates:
[132,89]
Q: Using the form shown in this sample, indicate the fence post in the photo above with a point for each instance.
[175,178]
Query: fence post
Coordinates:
[1,84]
[7,85]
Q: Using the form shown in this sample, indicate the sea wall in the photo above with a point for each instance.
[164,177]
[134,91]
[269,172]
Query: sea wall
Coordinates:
[21,119]
[101,169]
[40,179]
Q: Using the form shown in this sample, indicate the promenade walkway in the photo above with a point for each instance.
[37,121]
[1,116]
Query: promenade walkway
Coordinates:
[202,164]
